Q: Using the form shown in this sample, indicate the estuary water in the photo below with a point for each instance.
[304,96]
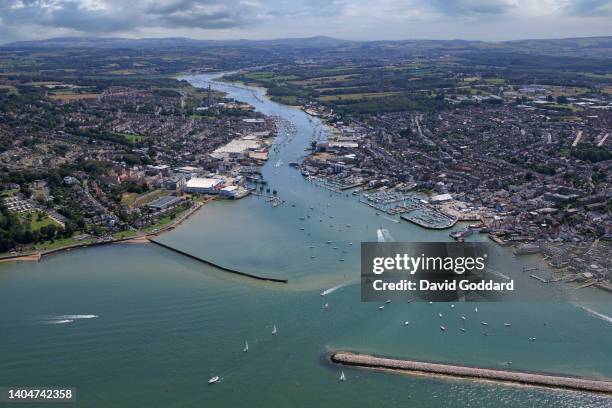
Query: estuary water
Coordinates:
[137,325]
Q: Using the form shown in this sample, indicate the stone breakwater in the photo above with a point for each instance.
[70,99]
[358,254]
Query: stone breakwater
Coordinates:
[436,369]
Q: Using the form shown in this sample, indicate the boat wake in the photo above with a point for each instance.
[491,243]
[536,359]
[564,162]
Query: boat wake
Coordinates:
[498,273]
[595,313]
[390,219]
[333,289]
[63,321]
[77,317]
[384,235]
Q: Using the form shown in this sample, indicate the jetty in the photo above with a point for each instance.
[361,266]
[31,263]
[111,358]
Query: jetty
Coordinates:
[467,372]
[214,265]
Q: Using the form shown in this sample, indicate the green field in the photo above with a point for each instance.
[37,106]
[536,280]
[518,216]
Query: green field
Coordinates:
[37,223]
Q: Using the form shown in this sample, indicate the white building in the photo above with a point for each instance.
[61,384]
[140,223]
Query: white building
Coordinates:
[229,191]
[203,185]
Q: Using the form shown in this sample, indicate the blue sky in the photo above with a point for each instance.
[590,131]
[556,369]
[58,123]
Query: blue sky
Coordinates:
[349,19]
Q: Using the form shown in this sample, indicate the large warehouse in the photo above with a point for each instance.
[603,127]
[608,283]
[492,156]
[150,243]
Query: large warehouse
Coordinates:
[204,185]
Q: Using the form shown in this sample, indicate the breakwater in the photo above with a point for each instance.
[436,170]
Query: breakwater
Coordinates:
[488,374]
[223,268]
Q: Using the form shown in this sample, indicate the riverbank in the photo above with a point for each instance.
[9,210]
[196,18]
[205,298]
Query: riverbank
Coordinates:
[466,372]
[139,238]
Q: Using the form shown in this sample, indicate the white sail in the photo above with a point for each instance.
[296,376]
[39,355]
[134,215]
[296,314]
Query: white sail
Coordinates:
[342,376]
[274,331]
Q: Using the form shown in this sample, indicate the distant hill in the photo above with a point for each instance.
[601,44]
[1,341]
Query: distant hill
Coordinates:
[117,42]
[592,47]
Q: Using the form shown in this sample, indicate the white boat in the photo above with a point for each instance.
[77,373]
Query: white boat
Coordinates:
[532,339]
[406,323]
[462,329]
[342,376]
[381,307]
[326,306]
[274,331]
[507,324]
[246,346]
[442,328]
[476,309]
[484,323]
[440,315]
[452,306]
[462,317]
[214,380]
[387,301]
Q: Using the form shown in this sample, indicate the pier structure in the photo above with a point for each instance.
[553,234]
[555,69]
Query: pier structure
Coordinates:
[466,372]
[214,265]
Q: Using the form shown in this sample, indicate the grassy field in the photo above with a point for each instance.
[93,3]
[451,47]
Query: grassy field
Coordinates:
[61,242]
[133,138]
[36,223]
[11,90]
[137,200]
[74,97]
[355,96]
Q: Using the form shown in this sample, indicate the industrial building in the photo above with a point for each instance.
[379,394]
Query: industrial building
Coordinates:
[204,185]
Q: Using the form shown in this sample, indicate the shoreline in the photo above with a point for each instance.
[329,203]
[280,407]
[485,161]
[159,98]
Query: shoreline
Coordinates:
[141,238]
[461,372]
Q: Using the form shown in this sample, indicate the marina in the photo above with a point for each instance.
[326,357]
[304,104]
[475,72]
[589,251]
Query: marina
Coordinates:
[173,324]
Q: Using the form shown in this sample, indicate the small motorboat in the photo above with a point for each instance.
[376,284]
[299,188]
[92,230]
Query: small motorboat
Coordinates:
[381,307]
[476,309]
[462,317]
[274,331]
[462,329]
[532,339]
[452,306]
[442,328]
[507,324]
[484,323]
[387,301]
[246,346]
[406,323]
[213,380]
[342,376]
[326,306]
[440,315]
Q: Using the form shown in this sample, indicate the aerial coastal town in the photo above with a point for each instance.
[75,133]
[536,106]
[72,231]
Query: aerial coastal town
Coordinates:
[111,185]
[521,189]
[128,149]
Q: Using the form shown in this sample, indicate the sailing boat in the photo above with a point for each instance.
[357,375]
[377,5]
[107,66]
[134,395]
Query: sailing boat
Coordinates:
[342,376]
[274,331]
[246,346]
